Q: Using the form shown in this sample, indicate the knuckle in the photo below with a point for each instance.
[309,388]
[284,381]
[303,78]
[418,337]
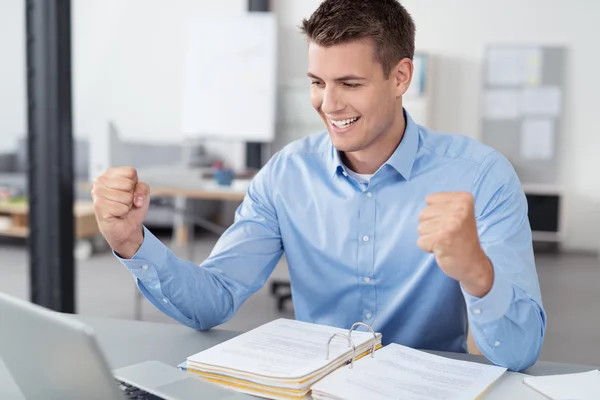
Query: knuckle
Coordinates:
[97,191]
[445,239]
[98,181]
[125,184]
[128,199]
[107,173]
[130,184]
[121,209]
[467,197]
[98,206]
[453,226]
[463,209]
[129,172]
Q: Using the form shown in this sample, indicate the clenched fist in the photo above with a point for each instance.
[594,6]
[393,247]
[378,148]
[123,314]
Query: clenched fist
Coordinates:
[447,228]
[120,205]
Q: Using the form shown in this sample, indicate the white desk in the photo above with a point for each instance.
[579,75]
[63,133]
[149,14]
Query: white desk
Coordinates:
[126,342]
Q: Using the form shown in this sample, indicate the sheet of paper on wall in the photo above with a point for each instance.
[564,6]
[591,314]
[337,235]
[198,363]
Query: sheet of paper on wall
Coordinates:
[541,101]
[501,104]
[537,139]
[514,66]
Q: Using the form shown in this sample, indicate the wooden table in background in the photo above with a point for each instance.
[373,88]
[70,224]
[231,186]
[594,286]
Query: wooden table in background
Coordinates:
[86,227]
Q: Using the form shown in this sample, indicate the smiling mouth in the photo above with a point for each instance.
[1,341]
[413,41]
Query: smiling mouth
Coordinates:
[344,123]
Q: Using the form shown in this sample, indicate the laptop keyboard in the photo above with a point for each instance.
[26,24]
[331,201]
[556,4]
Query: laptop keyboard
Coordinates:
[134,393]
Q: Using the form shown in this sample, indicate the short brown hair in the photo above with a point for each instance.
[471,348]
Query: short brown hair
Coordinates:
[385,21]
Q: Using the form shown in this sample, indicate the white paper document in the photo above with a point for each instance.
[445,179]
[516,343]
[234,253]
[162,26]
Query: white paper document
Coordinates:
[514,66]
[399,372]
[501,104]
[537,139]
[543,101]
[581,386]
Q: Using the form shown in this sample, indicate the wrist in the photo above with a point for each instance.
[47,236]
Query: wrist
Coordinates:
[130,247]
[480,279]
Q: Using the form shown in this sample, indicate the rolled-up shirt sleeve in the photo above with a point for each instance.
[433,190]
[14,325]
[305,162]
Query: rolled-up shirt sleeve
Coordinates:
[509,322]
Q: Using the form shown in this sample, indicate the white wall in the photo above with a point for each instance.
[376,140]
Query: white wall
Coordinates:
[127,65]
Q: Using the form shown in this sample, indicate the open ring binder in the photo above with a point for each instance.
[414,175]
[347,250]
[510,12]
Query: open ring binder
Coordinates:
[372,331]
[350,342]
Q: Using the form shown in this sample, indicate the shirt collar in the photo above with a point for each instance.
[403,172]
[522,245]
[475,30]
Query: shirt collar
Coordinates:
[402,159]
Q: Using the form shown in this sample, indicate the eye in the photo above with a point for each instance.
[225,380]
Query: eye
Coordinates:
[351,85]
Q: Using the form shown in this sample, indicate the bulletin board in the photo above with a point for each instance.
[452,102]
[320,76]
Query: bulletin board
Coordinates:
[522,108]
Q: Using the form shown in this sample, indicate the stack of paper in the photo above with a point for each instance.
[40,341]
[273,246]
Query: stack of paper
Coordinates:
[582,386]
[398,372]
[281,359]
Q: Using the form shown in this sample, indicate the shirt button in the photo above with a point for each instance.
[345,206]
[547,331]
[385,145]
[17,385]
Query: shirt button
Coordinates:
[145,266]
[366,279]
[369,194]
[497,343]
[365,238]
[477,311]
[368,315]
[344,173]
[165,300]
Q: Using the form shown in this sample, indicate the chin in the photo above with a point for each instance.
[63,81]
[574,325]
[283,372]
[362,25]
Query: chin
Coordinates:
[346,146]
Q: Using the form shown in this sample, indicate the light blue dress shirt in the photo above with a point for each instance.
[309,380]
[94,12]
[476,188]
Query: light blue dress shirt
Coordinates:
[352,249]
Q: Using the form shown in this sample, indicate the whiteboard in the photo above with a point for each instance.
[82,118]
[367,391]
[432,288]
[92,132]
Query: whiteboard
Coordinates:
[230,78]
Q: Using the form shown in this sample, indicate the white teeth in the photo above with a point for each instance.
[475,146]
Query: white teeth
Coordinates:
[344,123]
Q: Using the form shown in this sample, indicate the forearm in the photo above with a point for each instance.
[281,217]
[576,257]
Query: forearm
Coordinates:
[194,296]
[507,324]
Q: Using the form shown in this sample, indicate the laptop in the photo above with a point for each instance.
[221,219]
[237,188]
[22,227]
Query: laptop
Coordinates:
[54,356]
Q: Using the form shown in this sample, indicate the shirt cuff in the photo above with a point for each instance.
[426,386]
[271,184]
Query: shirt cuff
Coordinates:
[494,304]
[148,259]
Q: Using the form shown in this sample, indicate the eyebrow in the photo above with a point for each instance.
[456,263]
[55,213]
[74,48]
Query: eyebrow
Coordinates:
[340,79]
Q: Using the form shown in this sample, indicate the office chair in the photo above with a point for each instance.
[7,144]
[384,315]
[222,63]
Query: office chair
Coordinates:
[282,291]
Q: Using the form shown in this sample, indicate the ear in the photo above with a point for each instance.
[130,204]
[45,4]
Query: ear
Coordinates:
[402,76]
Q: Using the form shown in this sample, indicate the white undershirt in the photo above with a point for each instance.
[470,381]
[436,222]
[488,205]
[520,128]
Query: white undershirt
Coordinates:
[360,178]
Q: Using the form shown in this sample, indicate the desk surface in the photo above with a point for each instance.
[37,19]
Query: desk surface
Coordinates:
[126,342]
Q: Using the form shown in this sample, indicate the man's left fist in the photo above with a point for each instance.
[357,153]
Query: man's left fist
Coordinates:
[447,228]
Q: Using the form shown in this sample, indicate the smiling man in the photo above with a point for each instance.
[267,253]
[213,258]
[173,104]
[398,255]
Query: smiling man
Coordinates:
[382,221]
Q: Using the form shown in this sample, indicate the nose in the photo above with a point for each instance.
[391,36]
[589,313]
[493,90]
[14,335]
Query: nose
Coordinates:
[332,102]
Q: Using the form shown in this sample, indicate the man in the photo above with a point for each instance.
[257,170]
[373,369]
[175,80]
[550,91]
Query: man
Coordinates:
[382,221]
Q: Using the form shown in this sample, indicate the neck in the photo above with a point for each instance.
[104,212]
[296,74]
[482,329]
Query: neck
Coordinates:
[371,158]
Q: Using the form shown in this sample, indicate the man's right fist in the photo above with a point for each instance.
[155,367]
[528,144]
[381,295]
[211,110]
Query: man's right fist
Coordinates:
[120,205]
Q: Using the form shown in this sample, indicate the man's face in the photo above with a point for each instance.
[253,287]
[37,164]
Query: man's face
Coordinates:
[351,94]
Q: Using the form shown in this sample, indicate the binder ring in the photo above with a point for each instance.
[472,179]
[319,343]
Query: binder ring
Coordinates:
[372,331]
[350,343]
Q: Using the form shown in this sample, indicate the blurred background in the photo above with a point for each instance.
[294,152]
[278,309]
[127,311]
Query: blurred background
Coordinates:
[198,95]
